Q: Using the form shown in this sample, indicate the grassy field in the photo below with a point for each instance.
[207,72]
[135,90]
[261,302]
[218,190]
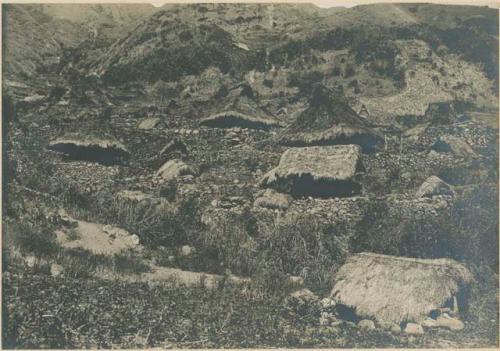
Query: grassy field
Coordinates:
[44,312]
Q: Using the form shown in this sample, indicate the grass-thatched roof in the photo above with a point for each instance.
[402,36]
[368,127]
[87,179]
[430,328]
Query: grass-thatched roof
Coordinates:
[329,120]
[241,112]
[317,170]
[397,289]
[99,148]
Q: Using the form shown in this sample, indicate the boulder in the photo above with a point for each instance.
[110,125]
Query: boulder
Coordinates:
[327,318]
[173,169]
[134,240]
[429,323]
[390,326]
[273,200]
[434,186]
[395,329]
[148,123]
[320,171]
[187,250]
[454,145]
[366,324]
[327,303]
[444,321]
[56,269]
[414,329]
[295,280]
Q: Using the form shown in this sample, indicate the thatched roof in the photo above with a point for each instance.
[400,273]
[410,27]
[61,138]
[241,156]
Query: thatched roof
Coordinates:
[317,170]
[434,186]
[329,120]
[242,112]
[397,289]
[455,145]
[104,149]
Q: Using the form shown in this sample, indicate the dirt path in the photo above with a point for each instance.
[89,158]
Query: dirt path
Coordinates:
[97,238]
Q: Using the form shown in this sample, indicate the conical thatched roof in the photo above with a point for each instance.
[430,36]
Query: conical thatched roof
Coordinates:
[329,120]
[397,289]
[241,111]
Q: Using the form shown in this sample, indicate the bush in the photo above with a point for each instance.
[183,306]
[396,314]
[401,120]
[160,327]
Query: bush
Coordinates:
[302,246]
[349,71]
[37,239]
[467,232]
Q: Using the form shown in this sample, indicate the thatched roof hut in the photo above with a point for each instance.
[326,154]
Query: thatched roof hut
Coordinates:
[398,289]
[434,186]
[103,149]
[322,171]
[329,120]
[242,112]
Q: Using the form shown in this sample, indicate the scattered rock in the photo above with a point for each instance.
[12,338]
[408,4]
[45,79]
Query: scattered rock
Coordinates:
[366,324]
[434,186]
[414,329]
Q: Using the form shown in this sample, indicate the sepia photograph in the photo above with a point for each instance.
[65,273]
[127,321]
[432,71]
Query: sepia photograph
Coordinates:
[212,175]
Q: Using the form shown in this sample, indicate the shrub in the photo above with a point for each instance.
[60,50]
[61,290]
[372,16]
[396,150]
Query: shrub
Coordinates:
[168,190]
[129,262]
[473,219]
[349,71]
[37,239]
[302,246]
[268,83]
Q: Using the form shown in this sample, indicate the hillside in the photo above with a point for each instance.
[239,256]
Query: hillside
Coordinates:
[250,175]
